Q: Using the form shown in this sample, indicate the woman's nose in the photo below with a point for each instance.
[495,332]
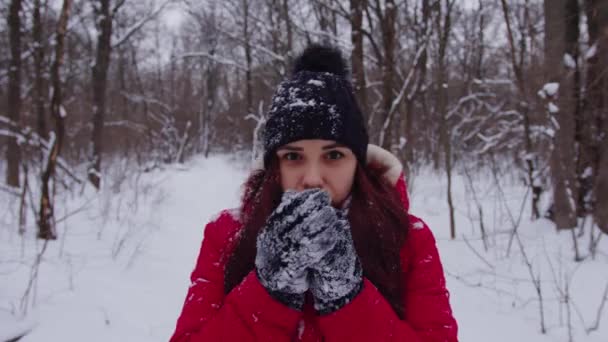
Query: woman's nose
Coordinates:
[312,177]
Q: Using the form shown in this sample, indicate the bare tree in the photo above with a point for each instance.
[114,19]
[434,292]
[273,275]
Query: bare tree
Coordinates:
[387,16]
[248,57]
[597,105]
[13,151]
[327,20]
[422,28]
[531,159]
[46,224]
[560,41]
[287,21]
[103,19]
[105,14]
[444,27]
[40,94]
[357,57]
[210,75]
[601,190]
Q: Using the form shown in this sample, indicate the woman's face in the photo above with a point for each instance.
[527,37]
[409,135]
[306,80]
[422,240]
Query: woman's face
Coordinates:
[325,164]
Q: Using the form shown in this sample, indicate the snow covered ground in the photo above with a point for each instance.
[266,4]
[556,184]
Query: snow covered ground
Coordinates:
[119,271]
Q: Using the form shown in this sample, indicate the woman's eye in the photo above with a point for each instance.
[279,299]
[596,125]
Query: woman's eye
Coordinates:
[291,156]
[335,155]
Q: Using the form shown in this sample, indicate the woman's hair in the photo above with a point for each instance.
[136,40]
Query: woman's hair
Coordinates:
[378,219]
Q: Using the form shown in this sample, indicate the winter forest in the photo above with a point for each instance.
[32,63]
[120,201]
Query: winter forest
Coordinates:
[125,125]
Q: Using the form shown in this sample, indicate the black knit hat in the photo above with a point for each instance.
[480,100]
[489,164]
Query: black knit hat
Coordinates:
[316,103]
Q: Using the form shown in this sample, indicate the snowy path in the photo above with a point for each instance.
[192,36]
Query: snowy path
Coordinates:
[136,296]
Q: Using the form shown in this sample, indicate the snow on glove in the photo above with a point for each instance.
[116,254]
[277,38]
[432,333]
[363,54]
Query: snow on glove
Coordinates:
[297,235]
[338,277]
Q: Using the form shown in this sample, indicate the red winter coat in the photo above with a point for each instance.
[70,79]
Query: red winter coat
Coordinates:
[249,313]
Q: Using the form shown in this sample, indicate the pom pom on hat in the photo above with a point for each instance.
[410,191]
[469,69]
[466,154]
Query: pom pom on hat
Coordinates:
[319,58]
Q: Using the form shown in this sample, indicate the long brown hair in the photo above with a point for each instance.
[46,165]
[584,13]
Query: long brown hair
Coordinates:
[379,226]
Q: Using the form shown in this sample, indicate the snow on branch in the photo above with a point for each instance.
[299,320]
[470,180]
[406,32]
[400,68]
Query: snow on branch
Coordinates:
[31,138]
[213,57]
[126,123]
[253,46]
[139,24]
[9,190]
[406,84]
[463,100]
[591,52]
[488,81]
[25,55]
[139,99]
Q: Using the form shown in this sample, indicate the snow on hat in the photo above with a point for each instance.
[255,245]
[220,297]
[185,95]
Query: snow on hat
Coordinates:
[317,102]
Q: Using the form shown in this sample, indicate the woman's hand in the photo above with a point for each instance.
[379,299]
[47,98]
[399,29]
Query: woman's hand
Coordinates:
[297,235]
[338,277]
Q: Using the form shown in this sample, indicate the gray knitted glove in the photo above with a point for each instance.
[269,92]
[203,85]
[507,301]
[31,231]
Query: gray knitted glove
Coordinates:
[297,235]
[338,277]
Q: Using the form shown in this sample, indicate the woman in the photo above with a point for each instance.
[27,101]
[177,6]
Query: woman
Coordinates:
[323,247]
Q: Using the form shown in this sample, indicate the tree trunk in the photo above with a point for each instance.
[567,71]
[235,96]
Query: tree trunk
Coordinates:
[40,94]
[46,223]
[597,16]
[593,100]
[210,86]
[125,105]
[422,35]
[600,213]
[325,24]
[357,57]
[287,21]
[13,151]
[481,41]
[275,25]
[524,109]
[444,24]
[100,79]
[387,25]
[559,49]
[580,131]
[248,58]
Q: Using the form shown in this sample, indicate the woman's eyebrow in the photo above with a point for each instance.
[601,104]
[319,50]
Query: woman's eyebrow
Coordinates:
[290,148]
[330,146]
